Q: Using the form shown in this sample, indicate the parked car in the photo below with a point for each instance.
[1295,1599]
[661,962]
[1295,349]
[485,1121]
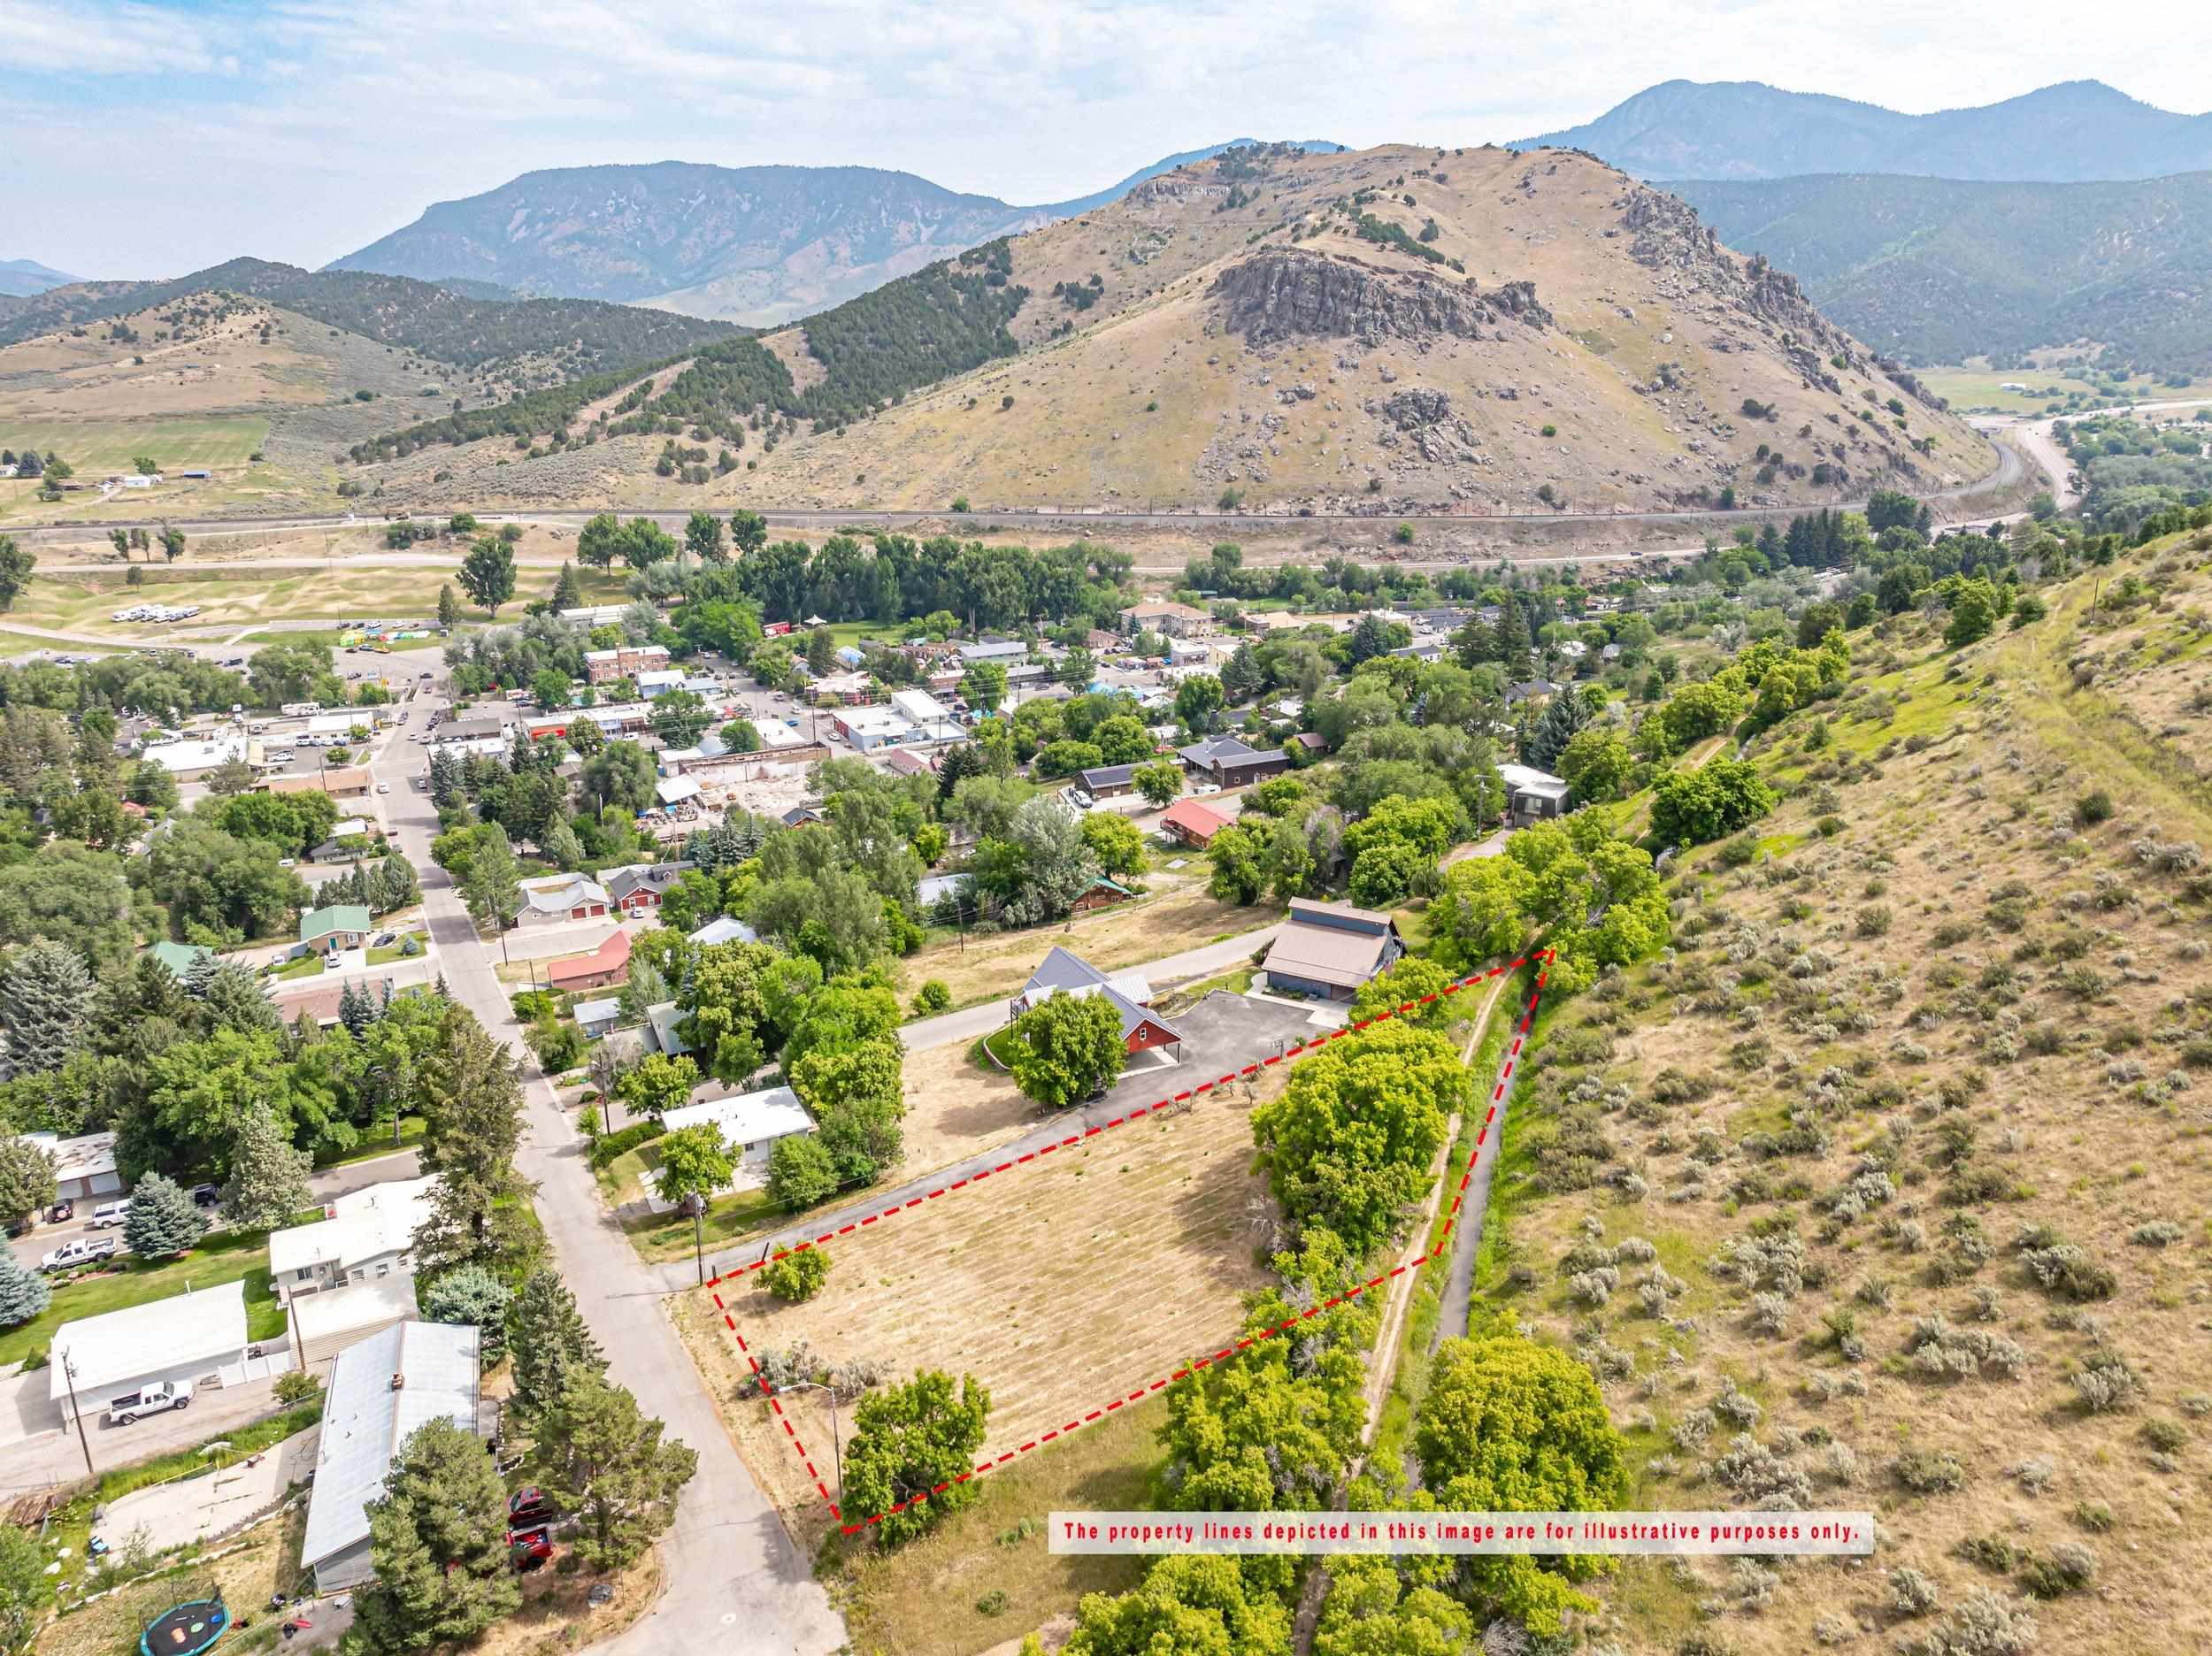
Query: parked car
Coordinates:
[206,1195]
[63,1210]
[80,1251]
[384,788]
[109,1213]
[527,1549]
[383,939]
[158,1399]
[528,1505]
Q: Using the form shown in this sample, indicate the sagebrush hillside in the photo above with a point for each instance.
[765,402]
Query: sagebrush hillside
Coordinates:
[1888,1186]
[1381,331]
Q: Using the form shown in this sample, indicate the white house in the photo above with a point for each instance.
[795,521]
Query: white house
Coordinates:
[187,1337]
[1532,794]
[724,930]
[751,1122]
[364,1236]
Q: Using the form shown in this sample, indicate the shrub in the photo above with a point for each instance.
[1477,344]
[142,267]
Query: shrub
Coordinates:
[932,997]
[1928,1471]
[797,1276]
[612,1146]
[296,1386]
[2105,1382]
[1874,920]
[2167,1437]
[2091,808]
[2065,1269]
[2093,1516]
[1911,1593]
[2069,1568]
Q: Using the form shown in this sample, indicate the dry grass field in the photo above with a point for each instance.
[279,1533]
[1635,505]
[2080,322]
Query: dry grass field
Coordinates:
[1889,1189]
[1066,1285]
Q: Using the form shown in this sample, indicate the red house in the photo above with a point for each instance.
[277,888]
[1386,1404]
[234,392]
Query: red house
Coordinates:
[1192,824]
[1061,972]
[608,963]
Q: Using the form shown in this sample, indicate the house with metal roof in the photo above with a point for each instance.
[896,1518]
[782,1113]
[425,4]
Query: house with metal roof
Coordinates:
[383,1391]
[1329,950]
[994,649]
[599,1017]
[552,898]
[363,1236]
[191,1335]
[1108,781]
[180,958]
[1233,762]
[1532,795]
[1064,972]
[334,930]
[1193,823]
[751,1125]
[723,929]
[662,1020]
[638,887]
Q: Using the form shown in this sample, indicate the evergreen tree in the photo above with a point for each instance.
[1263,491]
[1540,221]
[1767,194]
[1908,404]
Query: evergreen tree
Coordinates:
[24,1293]
[598,1456]
[26,1178]
[437,1537]
[268,1177]
[231,997]
[1513,641]
[1566,713]
[1241,678]
[552,1346]
[356,1010]
[45,999]
[449,606]
[470,1294]
[568,592]
[163,1221]
[821,650]
[396,885]
[473,1122]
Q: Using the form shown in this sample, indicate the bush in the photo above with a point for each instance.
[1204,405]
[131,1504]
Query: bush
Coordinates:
[2091,808]
[614,1146]
[296,1386]
[1928,1471]
[2069,1568]
[797,1275]
[932,997]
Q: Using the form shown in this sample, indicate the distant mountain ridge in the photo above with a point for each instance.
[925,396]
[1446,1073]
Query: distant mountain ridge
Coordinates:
[1938,270]
[2072,132]
[20,278]
[758,244]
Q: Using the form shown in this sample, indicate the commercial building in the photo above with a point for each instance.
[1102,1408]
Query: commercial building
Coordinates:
[603,666]
[1174,620]
[383,1391]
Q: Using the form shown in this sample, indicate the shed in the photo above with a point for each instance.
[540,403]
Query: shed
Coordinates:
[382,1390]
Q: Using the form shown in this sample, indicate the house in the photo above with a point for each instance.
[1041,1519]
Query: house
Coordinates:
[638,887]
[1531,794]
[609,963]
[725,930]
[84,1167]
[1100,893]
[1172,620]
[323,1325]
[334,930]
[1109,781]
[191,1335]
[1061,972]
[1530,690]
[1005,651]
[180,958]
[603,666]
[349,839]
[320,1007]
[597,1018]
[1573,649]
[1310,741]
[904,762]
[662,1021]
[366,1235]
[653,685]
[553,897]
[933,889]
[1328,950]
[801,816]
[1189,823]
[382,1390]
[751,1122]
[1233,762]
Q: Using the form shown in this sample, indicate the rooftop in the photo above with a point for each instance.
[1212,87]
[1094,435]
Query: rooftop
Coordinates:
[382,1219]
[381,1390]
[746,1117]
[105,1350]
[319,922]
[1064,972]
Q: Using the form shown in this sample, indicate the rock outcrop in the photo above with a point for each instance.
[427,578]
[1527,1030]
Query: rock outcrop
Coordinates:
[1284,294]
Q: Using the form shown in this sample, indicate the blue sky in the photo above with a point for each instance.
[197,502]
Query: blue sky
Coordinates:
[163,137]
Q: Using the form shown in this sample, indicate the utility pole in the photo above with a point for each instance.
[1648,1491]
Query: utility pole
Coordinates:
[69,1369]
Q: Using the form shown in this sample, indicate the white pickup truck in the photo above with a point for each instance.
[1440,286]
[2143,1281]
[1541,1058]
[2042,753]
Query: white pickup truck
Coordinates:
[154,1400]
[78,1250]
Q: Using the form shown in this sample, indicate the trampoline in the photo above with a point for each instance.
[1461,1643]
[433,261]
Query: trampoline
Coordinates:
[185,1629]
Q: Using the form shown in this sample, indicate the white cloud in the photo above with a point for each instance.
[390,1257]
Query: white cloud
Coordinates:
[324,123]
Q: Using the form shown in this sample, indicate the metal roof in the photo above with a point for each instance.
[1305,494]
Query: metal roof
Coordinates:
[382,1390]
[383,1219]
[746,1117]
[337,918]
[206,1326]
[1327,954]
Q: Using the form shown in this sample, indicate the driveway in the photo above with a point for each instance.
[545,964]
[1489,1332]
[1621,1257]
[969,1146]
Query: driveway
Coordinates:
[1221,1034]
[192,1509]
[53,1456]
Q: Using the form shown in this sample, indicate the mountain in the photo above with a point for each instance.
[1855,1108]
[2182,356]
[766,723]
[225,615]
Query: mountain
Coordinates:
[1935,270]
[759,245]
[20,278]
[1379,332]
[1188,158]
[2074,131]
[572,336]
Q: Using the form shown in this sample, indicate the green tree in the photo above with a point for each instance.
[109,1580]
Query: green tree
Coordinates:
[568,592]
[437,1539]
[268,1177]
[1160,782]
[1382,875]
[23,1293]
[1597,764]
[821,651]
[601,1459]
[16,565]
[1239,869]
[1973,614]
[800,1172]
[1077,669]
[1710,802]
[487,574]
[172,543]
[1373,1610]
[657,1084]
[552,1346]
[702,537]
[26,1178]
[1067,1049]
[163,1221]
[856,1097]
[1407,984]
[984,685]
[681,717]
[1197,699]
[471,1295]
[909,1439]
[449,606]
[1508,1425]
[1185,1607]
[695,1162]
[492,887]
[797,1276]
[1114,841]
[27,1592]
[471,1107]
[45,999]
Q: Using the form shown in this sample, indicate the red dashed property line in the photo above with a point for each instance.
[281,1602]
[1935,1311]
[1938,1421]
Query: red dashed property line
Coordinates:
[1196,1365]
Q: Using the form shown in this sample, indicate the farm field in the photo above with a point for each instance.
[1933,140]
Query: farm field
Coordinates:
[1971,387]
[1061,1288]
[95,448]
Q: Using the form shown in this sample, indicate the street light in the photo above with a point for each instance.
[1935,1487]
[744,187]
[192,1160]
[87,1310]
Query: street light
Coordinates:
[837,1444]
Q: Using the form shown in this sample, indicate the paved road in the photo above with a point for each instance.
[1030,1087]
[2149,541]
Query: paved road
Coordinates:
[2034,437]
[971,1023]
[735,1581]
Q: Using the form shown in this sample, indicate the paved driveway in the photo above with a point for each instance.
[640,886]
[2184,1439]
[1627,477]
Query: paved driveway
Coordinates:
[53,1455]
[193,1509]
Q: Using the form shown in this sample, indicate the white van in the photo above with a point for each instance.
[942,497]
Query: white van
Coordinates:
[111,1212]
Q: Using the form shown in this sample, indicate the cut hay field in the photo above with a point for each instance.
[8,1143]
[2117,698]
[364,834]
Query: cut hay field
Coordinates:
[99,446]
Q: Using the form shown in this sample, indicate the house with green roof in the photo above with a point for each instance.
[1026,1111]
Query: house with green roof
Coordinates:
[334,930]
[180,958]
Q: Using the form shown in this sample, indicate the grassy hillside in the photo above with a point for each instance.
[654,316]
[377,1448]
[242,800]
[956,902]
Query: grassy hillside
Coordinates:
[1899,1160]
[1386,331]
[1936,271]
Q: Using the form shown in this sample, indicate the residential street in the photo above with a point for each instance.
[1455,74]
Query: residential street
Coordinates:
[734,1579]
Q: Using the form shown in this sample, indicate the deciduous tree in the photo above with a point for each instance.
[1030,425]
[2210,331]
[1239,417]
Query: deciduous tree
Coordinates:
[908,1441]
[1066,1049]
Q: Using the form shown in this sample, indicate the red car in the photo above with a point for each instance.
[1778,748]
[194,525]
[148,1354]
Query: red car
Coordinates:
[527,1506]
[527,1549]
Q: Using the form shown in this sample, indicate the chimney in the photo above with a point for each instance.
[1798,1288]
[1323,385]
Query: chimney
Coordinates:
[399,1381]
